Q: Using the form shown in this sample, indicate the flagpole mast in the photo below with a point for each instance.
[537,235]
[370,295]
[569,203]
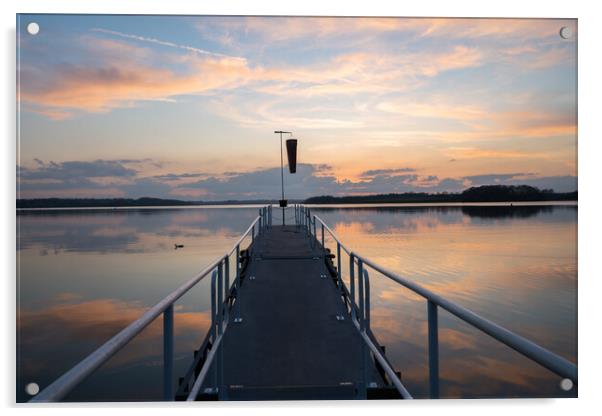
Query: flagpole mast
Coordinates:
[282,168]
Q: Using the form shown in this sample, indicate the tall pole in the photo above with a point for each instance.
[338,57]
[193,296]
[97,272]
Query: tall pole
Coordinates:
[282,168]
[282,175]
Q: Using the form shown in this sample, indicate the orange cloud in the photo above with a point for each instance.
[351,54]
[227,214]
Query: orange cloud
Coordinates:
[118,84]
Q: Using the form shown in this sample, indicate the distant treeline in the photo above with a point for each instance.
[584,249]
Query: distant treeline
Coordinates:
[487,193]
[121,202]
[96,202]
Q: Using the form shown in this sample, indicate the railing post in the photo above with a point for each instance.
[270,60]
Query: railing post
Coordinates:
[227,284]
[339,271]
[220,296]
[253,234]
[260,228]
[213,306]
[323,247]
[237,317]
[168,356]
[367,301]
[305,220]
[360,294]
[360,286]
[352,284]
[308,222]
[220,324]
[433,350]
[213,318]
[366,325]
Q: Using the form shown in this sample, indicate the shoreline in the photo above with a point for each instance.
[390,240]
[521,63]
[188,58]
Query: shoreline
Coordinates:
[317,206]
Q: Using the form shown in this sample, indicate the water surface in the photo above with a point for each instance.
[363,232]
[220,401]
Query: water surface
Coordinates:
[85,274]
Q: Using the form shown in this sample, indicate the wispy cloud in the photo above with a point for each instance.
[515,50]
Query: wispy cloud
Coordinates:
[283,29]
[164,43]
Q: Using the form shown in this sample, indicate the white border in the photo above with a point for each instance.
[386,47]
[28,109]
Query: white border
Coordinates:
[590,178]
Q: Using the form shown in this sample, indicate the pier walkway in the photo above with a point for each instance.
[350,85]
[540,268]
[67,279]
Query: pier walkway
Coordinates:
[293,341]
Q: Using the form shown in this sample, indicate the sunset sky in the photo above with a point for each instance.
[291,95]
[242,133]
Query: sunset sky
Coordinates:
[185,107]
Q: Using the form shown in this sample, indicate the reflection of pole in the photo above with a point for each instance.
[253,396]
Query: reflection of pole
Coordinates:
[282,175]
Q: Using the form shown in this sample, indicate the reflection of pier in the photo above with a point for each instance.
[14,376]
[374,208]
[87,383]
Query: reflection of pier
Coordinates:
[286,325]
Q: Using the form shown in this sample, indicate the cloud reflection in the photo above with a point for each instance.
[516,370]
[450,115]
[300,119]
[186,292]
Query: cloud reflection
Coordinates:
[53,339]
[518,270]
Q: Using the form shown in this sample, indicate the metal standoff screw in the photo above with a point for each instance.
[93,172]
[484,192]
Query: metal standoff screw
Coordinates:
[32,389]
[566,384]
[340,318]
[237,320]
[251,277]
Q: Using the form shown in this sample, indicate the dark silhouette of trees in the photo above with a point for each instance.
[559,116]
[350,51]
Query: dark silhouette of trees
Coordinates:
[486,193]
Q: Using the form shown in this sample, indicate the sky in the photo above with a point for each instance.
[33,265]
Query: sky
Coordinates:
[186,107]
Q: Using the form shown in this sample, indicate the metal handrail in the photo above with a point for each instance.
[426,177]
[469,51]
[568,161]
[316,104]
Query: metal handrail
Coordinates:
[529,349]
[546,358]
[69,380]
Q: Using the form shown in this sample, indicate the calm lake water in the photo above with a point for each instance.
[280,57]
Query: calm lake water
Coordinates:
[83,275]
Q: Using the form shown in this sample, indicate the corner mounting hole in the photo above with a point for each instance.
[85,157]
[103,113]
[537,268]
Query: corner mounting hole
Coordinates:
[33,28]
[32,389]
[566,384]
[566,32]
